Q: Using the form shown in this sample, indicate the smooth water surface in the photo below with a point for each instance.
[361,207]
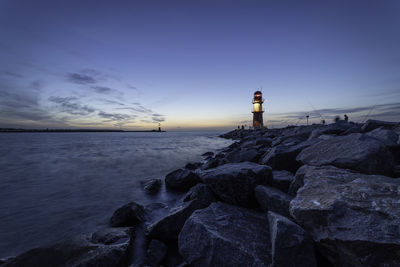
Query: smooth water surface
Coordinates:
[57,185]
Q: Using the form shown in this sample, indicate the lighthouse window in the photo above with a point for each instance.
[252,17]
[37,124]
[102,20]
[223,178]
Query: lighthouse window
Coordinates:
[257,107]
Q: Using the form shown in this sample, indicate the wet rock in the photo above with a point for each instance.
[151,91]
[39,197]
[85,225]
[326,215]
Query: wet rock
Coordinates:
[181,180]
[168,227]
[388,137]
[128,215]
[152,186]
[272,199]
[109,236]
[353,217]
[208,154]
[243,155]
[291,245]
[193,166]
[225,235]
[156,252]
[355,151]
[76,252]
[235,182]
[282,180]
[283,157]
[373,124]
[213,163]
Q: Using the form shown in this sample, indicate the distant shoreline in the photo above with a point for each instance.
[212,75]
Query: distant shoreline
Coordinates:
[11,130]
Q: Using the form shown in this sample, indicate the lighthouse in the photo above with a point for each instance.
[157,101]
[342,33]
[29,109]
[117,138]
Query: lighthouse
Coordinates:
[258,110]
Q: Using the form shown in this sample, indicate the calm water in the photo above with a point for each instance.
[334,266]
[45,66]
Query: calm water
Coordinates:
[56,185]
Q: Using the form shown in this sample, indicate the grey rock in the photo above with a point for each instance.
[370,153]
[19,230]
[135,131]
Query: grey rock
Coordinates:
[334,128]
[225,235]
[388,137]
[373,124]
[291,245]
[208,154]
[128,215]
[193,166]
[78,251]
[213,163]
[396,171]
[264,142]
[249,143]
[235,182]
[152,186]
[283,157]
[243,155]
[282,180]
[272,199]
[355,151]
[168,227]
[298,180]
[181,180]
[109,236]
[156,252]
[353,217]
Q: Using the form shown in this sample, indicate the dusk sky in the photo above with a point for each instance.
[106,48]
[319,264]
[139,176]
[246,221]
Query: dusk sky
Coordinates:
[195,64]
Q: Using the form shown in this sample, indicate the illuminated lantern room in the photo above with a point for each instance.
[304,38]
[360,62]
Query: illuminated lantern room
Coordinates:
[258,110]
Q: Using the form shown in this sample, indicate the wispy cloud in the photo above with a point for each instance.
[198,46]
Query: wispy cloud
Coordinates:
[103,89]
[71,106]
[80,78]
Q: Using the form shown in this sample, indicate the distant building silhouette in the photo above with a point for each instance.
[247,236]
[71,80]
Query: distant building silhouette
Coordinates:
[258,110]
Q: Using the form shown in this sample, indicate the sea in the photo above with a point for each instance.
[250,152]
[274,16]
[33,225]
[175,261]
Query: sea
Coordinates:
[54,186]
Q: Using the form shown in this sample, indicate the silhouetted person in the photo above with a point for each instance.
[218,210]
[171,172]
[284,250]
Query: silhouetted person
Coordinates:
[242,127]
[323,121]
[346,118]
[336,119]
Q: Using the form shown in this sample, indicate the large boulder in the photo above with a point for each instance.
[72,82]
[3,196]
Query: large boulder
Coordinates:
[283,157]
[282,180]
[243,155]
[334,128]
[388,137]
[355,151]
[168,227]
[373,124]
[128,215]
[234,183]
[181,180]
[272,199]
[152,186]
[291,245]
[225,235]
[155,253]
[353,217]
[104,248]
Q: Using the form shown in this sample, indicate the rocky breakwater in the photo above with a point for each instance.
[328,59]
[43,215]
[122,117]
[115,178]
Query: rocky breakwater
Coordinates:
[318,195]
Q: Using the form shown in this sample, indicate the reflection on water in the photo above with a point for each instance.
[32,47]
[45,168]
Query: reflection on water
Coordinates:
[56,185]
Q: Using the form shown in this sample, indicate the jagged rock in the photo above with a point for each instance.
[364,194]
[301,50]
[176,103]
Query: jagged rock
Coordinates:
[354,217]
[225,235]
[291,245]
[109,236]
[243,155]
[353,129]
[208,154]
[168,227]
[152,186]
[156,252]
[213,163]
[78,251]
[298,180]
[181,180]
[283,157]
[193,166]
[334,128]
[235,182]
[128,215]
[272,199]
[373,124]
[388,137]
[355,151]
[264,142]
[249,143]
[282,180]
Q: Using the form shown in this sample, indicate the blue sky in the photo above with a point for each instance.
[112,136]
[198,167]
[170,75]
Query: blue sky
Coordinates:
[196,64]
